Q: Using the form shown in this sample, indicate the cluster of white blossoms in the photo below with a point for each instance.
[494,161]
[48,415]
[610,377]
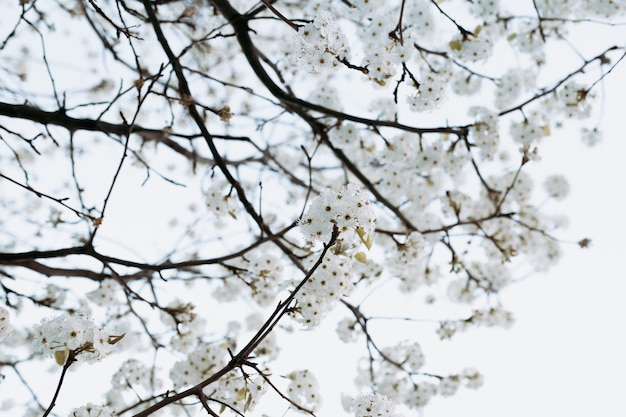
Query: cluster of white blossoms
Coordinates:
[409,263]
[486,9]
[410,170]
[431,91]
[304,389]
[458,205]
[529,131]
[518,184]
[473,47]
[178,312]
[187,336]
[484,133]
[201,363]
[54,296]
[398,380]
[268,349]
[237,392]
[382,60]
[590,137]
[373,405]
[321,43]
[347,330]
[181,317]
[325,95]
[233,390]
[397,376]
[73,334]
[573,99]
[133,373]
[330,282]
[132,379]
[556,186]
[406,354]
[219,200]
[106,294]
[449,385]
[473,378]
[92,410]
[465,84]
[5,325]
[580,8]
[492,317]
[266,271]
[345,136]
[347,209]
[512,84]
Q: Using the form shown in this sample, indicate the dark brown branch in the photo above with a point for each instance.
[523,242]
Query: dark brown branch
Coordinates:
[119,29]
[240,358]
[66,366]
[545,91]
[60,118]
[280,15]
[60,272]
[192,109]
[60,201]
[19,258]
[291,103]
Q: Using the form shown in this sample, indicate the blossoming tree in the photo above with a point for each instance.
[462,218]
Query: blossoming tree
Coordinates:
[188,185]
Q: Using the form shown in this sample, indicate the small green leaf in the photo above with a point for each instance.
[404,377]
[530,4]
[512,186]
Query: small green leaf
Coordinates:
[361,257]
[248,403]
[60,356]
[114,339]
[366,241]
[455,45]
[241,394]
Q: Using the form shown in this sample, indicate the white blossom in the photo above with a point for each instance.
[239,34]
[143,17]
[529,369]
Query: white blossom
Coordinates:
[202,362]
[556,186]
[241,394]
[591,137]
[330,282]
[449,385]
[133,373]
[430,93]
[320,43]
[73,334]
[5,325]
[220,200]
[473,378]
[106,294]
[347,330]
[304,389]
[54,297]
[374,405]
[347,209]
[92,410]
[473,47]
